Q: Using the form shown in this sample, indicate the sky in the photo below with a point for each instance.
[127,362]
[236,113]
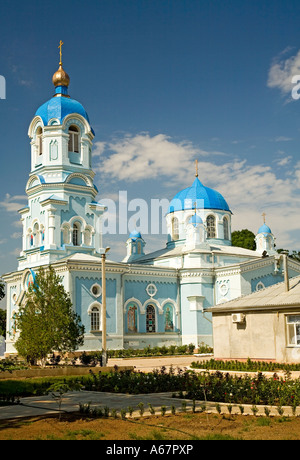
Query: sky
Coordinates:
[164,83]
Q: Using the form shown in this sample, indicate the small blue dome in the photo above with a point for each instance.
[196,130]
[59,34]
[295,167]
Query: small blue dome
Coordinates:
[195,220]
[135,234]
[264,229]
[205,198]
[59,106]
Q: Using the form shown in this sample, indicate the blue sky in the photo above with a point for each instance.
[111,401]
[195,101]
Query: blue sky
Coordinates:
[164,83]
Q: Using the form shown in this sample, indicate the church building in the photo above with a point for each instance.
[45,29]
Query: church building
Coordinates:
[155,299]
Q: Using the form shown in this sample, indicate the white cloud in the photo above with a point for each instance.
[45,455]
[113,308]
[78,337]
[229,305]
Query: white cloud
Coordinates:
[282,71]
[283,139]
[142,157]
[283,161]
[13,203]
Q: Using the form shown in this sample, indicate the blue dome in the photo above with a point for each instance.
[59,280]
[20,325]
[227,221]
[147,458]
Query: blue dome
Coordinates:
[59,106]
[264,229]
[195,220]
[135,234]
[205,198]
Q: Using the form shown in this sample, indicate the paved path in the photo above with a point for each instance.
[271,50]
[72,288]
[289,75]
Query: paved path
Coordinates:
[148,364]
[45,405]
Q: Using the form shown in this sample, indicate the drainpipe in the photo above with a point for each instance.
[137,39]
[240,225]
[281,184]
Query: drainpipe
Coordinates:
[286,273]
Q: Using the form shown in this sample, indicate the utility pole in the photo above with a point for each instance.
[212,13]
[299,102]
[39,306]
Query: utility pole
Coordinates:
[104,351]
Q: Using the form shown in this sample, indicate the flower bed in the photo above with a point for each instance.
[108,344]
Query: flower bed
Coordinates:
[203,386]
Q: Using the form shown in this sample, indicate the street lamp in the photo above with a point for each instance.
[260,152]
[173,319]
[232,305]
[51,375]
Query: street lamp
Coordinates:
[104,352]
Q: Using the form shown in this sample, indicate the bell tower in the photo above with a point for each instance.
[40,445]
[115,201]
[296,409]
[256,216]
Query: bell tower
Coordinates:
[62,216]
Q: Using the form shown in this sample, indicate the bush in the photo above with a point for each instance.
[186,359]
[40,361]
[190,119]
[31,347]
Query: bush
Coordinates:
[248,366]
[158,351]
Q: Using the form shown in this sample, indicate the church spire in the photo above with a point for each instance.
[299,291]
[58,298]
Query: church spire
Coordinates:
[196,168]
[60,77]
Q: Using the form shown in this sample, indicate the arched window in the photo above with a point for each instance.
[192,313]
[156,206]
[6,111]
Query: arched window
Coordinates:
[76,234]
[36,235]
[39,140]
[43,234]
[211,227]
[168,318]
[150,319]
[73,139]
[175,229]
[226,228]
[132,318]
[95,319]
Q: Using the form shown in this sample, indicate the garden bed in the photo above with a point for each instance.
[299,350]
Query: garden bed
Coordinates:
[59,371]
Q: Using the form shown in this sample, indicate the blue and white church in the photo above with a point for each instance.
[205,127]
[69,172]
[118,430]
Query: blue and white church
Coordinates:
[155,299]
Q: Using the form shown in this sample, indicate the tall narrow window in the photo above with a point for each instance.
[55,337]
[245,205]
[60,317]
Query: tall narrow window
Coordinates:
[73,139]
[76,234]
[211,227]
[36,234]
[226,228]
[39,140]
[175,229]
[95,319]
[169,325]
[150,319]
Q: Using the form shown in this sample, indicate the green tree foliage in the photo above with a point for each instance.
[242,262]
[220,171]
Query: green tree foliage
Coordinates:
[243,239]
[2,290]
[2,312]
[292,254]
[2,322]
[47,322]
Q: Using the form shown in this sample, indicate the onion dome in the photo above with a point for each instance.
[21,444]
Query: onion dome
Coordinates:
[204,197]
[61,104]
[134,235]
[61,78]
[264,229]
[195,220]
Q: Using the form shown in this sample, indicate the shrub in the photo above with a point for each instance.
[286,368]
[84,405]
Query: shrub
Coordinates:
[163,410]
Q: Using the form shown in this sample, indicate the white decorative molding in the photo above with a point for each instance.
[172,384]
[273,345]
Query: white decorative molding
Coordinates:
[151,290]
[155,302]
[196,302]
[136,301]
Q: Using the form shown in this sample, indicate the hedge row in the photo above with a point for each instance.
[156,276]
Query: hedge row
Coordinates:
[248,366]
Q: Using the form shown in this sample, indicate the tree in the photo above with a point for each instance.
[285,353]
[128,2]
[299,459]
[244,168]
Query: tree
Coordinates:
[2,312]
[2,322]
[243,239]
[47,322]
[2,289]
[293,254]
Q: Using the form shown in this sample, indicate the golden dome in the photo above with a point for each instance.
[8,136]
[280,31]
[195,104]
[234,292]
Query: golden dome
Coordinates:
[61,78]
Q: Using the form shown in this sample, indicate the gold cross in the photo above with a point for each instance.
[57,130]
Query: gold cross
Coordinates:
[264,217]
[60,53]
[196,167]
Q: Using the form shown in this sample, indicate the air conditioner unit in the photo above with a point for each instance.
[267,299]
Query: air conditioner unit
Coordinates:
[238,317]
